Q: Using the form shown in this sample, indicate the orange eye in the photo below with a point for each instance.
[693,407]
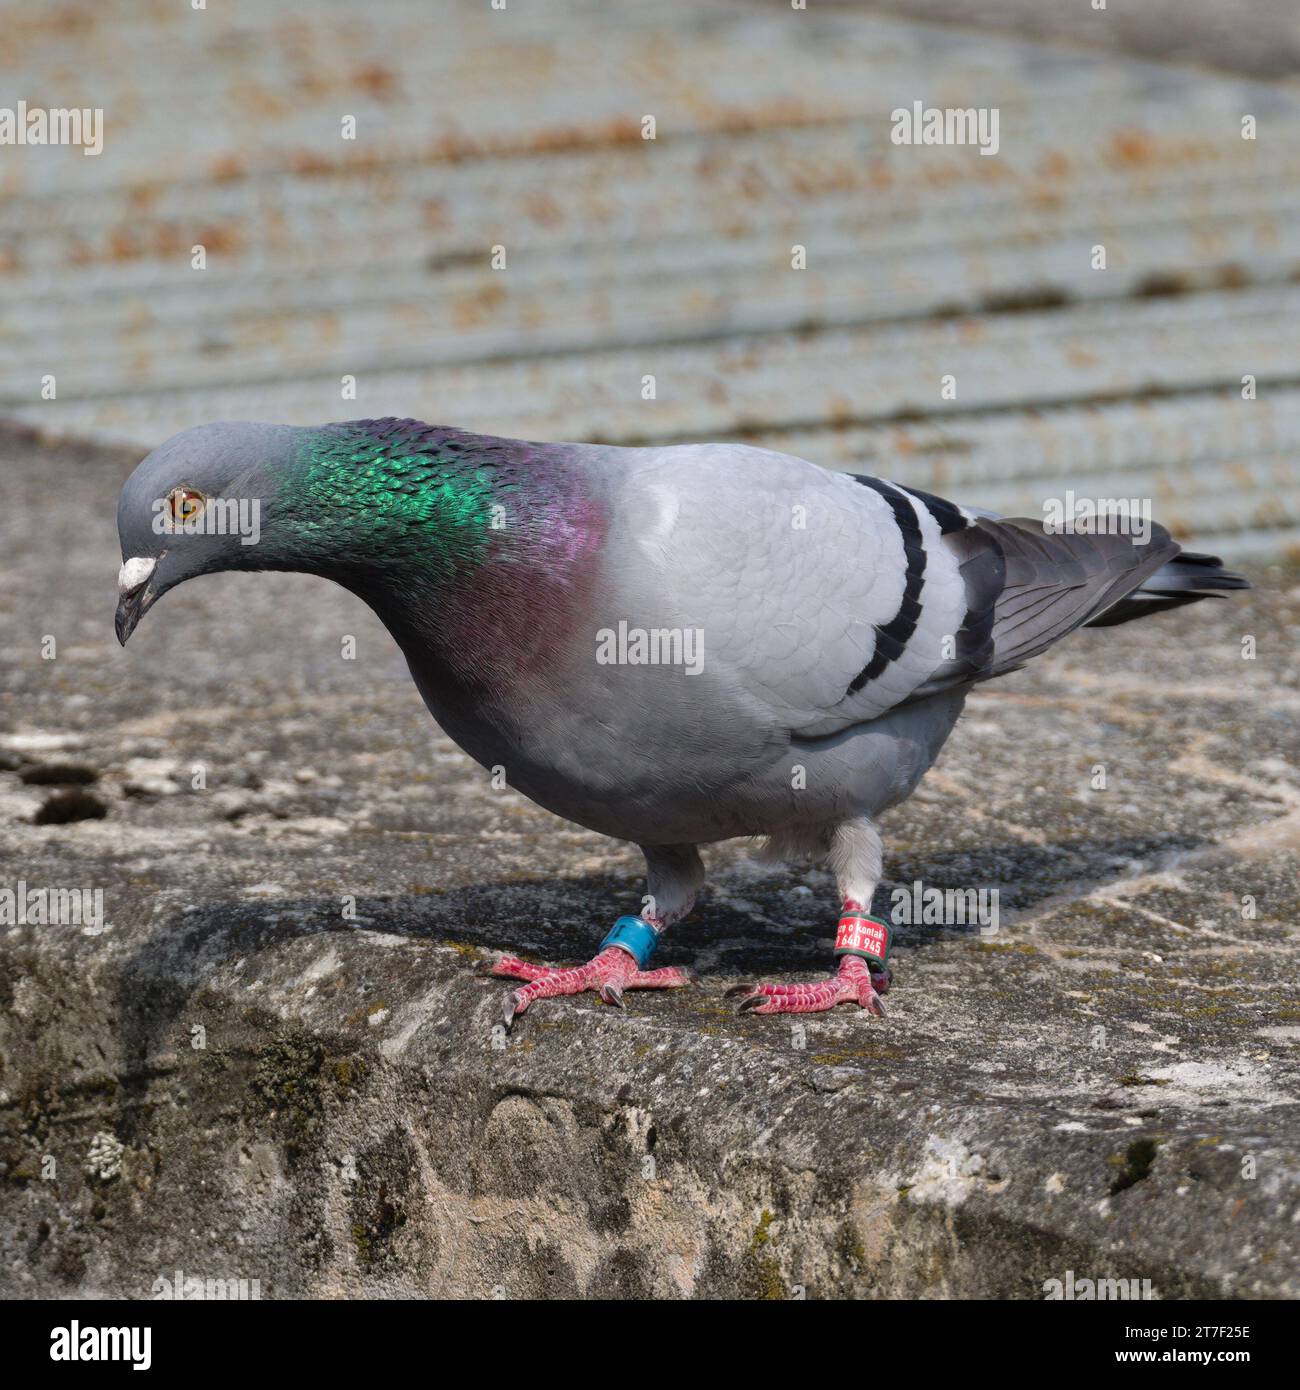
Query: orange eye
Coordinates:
[184,504]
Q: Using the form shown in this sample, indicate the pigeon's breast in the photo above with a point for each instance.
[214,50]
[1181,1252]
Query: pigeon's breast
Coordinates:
[615,749]
[632,759]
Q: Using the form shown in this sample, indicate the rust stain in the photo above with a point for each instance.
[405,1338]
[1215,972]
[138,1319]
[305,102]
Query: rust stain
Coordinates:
[227,167]
[545,209]
[1054,165]
[1132,149]
[376,81]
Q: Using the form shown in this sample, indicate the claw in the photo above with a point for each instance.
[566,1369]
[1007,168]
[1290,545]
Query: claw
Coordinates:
[851,984]
[739,989]
[609,974]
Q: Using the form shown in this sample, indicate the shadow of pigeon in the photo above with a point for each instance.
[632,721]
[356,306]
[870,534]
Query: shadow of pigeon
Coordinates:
[746,925]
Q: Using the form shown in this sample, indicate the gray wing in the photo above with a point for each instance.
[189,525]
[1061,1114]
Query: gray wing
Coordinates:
[1027,588]
[826,599]
[822,600]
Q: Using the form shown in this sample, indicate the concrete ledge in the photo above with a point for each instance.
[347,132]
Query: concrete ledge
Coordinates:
[1089,1090]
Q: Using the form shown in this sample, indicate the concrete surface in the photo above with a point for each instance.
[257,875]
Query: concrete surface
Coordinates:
[235,1080]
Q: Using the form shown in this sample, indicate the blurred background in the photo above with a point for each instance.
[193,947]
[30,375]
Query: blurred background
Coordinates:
[371,258]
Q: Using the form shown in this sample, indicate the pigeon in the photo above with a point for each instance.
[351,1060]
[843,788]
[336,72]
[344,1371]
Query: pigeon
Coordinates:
[671,646]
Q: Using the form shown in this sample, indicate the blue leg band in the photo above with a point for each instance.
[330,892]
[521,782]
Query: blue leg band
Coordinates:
[635,936]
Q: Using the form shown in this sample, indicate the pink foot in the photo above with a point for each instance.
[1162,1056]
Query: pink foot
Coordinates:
[609,974]
[854,983]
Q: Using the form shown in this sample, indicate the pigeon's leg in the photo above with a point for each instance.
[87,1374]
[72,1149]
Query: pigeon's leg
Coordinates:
[862,943]
[673,873]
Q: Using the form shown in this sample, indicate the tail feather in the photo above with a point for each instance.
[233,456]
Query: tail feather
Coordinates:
[1026,588]
[1187,578]
[1055,582]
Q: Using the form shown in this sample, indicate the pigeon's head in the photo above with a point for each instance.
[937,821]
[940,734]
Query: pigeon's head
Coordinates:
[196,505]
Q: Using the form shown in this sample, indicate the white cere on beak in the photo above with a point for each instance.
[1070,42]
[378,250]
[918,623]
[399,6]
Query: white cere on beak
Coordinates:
[134,574]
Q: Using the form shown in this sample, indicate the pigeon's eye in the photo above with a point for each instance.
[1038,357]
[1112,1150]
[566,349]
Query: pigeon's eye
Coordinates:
[184,503]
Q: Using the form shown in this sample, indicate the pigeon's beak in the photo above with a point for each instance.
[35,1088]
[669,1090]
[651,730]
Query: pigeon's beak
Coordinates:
[134,596]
